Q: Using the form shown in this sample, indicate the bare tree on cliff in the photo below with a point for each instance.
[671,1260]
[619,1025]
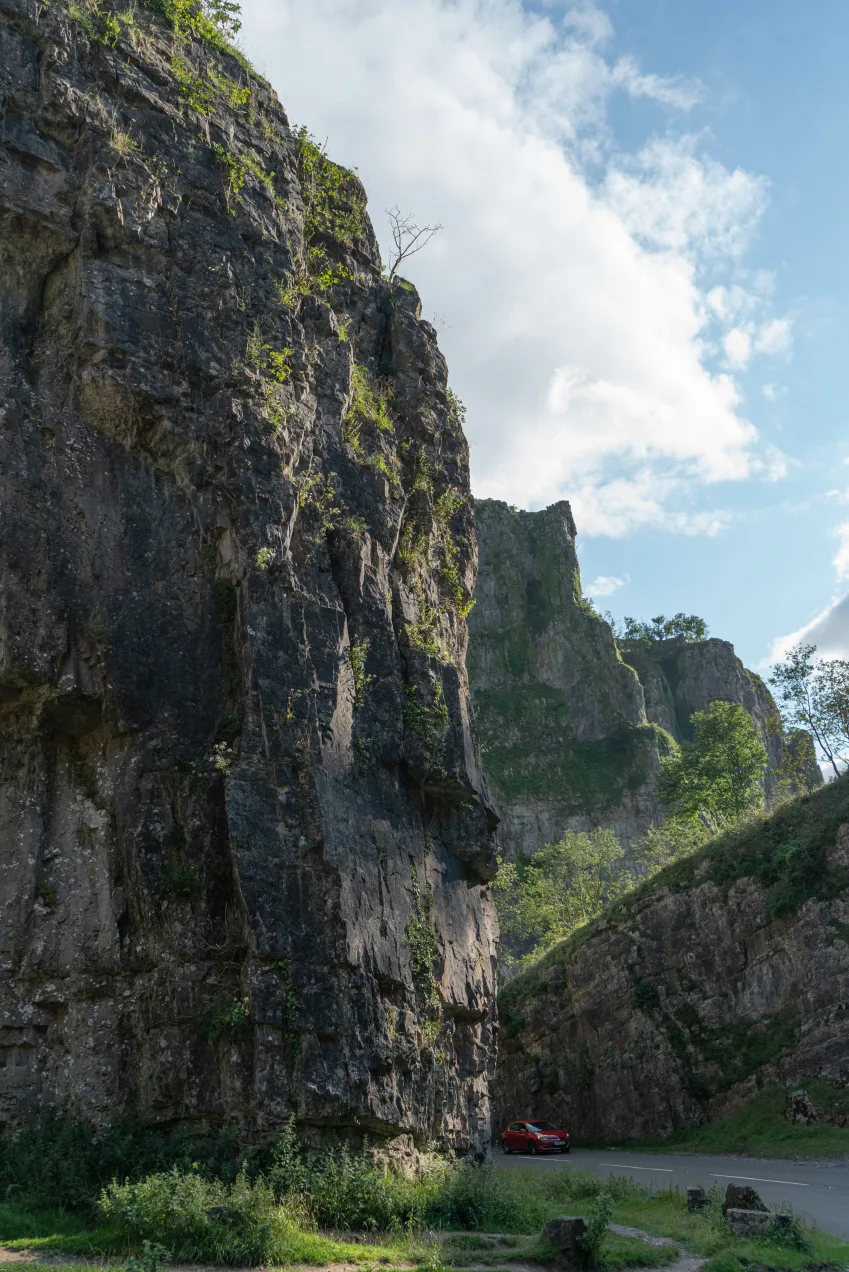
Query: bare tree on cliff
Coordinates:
[407,236]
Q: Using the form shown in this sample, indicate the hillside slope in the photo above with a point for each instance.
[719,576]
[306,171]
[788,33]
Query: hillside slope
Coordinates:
[726,973]
[245,837]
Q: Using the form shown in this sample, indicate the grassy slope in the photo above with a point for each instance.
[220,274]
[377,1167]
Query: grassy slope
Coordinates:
[761,1129]
[787,853]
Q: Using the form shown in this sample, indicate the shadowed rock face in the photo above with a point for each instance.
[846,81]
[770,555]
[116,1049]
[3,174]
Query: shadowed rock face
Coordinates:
[561,717]
[244,840]
[693,995]
[573,731]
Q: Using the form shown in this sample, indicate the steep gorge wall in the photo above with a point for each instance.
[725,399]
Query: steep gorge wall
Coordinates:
[562,722]
[726,975]
[573,729]
[244,836]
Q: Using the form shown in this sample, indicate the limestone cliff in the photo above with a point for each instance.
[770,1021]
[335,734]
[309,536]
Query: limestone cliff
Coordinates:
[680,677]
[727,973]
[245,839]
[565,737]
[573,728]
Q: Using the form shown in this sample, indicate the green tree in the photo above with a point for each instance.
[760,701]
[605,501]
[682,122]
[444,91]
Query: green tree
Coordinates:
[561,888]
[814,695]
[686,626]
[720,773]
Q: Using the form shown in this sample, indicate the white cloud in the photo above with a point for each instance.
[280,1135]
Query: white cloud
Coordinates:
[774,338]
[828,630]
[737,344]
[578,331]
[605,585]
[841,560]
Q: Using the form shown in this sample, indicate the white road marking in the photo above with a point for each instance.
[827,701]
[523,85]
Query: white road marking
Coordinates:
[666,1170]
[756,1179]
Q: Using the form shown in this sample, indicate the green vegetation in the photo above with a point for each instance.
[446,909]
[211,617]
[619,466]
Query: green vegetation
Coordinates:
[682,626]
[561,888]
[428,724]
[334,207]
[786,852]
[424,942]
[531,751]
[762,1129]
[370,404]
[814,695]
[357,655]
[178,880]
[224,1016]
[99,24]
[720,773]
[278,1210]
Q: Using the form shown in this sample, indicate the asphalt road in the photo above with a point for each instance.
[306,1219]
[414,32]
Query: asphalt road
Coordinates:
[819,1190]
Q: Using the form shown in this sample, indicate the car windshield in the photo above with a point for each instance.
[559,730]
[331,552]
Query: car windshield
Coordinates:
[541,1126]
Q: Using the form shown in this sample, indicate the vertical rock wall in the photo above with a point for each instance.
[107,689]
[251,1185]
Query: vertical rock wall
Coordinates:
[244,837]
[573,731]
[561,717]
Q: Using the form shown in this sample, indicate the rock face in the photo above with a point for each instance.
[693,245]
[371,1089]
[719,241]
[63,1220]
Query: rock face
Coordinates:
[245,837]
[680,677]
[561,717]
[726,974]
[574,728]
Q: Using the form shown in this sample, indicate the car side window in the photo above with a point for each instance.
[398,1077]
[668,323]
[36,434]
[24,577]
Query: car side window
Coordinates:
[515,1126]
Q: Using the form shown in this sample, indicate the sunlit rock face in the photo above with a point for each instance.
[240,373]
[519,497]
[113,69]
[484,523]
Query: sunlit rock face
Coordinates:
[245,839]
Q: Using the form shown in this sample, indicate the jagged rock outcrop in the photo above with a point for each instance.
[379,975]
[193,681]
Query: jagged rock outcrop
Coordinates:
[244,838]
[561,718]
[725,974]
[573,728]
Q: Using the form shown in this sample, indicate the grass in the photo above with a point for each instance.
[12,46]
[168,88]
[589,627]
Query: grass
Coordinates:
[57,1232]
[761,1129]
[295,1210]
[665,1214]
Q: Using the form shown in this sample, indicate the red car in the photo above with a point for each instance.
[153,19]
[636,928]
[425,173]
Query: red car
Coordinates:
[534,1137]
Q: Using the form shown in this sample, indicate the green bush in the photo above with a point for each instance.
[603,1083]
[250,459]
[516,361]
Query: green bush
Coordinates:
[62,1163]
[204,1219]
[601,1212]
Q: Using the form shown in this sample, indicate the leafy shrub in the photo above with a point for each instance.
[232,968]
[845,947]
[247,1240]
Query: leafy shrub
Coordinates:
[62,1163]
[204,1219]
[601,1212]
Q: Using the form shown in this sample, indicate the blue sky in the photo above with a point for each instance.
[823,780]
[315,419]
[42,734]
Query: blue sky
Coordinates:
[641,285]
[776,103]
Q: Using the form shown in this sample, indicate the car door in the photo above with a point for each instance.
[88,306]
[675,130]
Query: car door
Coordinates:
[513,1136]
[521,1137]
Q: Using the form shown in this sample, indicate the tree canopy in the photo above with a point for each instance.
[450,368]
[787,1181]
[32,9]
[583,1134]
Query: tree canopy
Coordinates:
[720,773]
[687,626]
[562,887]
[813,694]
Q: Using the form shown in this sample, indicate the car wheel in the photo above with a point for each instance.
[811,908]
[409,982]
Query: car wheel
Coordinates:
[532,1148]
[505,1147]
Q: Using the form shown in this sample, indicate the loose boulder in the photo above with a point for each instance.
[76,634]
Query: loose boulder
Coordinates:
[567,1234]
[750,1223]
[697,1199]
[741,1197]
